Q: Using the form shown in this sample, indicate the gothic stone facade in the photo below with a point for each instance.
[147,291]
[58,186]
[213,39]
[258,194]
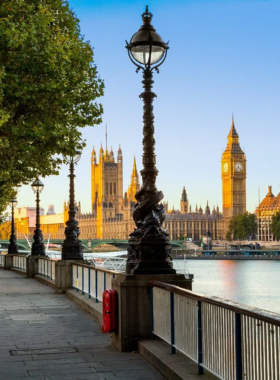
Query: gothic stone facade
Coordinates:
[111,211]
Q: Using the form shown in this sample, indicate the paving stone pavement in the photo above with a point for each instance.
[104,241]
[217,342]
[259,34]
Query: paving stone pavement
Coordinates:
[47,336]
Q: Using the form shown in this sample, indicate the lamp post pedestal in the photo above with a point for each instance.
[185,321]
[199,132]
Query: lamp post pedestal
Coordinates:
[13,247]
[149,255]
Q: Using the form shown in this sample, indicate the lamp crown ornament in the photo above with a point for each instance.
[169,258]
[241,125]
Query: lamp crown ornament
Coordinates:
[146,47]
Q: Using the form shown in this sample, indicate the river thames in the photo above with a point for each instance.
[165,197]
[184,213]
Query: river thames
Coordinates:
[254,283]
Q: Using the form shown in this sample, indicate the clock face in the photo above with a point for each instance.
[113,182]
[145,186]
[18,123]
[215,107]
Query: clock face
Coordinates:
[225,167]
[238,167]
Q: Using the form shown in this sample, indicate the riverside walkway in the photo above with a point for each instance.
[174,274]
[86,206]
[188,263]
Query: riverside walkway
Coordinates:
[47,336]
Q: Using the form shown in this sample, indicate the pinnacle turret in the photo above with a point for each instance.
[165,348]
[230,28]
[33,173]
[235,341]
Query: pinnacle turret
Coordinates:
[184,195]
[134,186]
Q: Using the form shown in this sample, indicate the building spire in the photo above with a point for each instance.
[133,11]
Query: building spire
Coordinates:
[134,186]
[134,170]
[232,132]
[184,195]
[233,140]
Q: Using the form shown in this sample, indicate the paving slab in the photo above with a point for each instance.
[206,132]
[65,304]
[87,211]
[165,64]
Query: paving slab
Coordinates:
[47,336]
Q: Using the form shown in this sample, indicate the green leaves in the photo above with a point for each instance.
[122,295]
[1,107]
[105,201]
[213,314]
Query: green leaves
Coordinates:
[48,89]
[275,225]
[242,226]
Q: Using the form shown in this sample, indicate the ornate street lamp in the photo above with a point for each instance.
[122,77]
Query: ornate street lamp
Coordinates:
[72,247]
[13,248]
[38,246]
[149,244]
[208,240]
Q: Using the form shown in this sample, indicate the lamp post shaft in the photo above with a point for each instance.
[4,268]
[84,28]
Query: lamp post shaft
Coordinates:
[149,158]
[13,247]
[38,247]
[72,210]
[37,211]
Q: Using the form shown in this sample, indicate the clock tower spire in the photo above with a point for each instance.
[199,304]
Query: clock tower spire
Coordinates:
[233,170]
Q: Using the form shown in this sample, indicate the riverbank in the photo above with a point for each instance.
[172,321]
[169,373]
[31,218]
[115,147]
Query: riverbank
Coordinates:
[221,257]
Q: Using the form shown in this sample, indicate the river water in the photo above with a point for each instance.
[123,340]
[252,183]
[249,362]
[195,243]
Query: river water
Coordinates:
[253,282]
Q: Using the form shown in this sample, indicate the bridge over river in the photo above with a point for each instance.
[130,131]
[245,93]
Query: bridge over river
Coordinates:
[23,244]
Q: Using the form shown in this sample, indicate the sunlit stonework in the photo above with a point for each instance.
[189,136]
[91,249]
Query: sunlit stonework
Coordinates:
[233,171]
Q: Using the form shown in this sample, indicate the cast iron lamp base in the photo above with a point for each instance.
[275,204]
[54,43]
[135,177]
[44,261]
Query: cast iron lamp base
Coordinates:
[72,251]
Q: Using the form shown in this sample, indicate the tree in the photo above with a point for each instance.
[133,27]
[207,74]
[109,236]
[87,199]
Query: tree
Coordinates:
[5,231]
[242,226]
[275,225]
[48,89]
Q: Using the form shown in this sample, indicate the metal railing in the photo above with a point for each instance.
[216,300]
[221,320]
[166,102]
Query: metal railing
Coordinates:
[232,341]
[91,281]
[46,267]
[2,260]
[19,262]
[109,263]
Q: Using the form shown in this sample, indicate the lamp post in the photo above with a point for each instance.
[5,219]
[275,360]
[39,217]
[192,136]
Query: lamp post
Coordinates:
[13,247]
[208,240]
[149,244]
[38,246]
[72,247]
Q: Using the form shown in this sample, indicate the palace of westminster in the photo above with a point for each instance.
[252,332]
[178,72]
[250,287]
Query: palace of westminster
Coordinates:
[111,214]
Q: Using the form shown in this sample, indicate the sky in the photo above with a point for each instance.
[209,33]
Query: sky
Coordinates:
[224,59]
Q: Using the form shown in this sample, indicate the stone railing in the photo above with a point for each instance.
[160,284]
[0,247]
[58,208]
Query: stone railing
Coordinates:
[46,267]
[20,262]
[2,260]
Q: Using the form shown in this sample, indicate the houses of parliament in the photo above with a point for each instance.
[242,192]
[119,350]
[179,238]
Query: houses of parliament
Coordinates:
[111,210]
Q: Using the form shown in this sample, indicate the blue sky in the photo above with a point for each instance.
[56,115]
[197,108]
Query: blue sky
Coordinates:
[224,58]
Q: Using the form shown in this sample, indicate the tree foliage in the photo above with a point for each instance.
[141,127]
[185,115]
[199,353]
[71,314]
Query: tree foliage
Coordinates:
[48,89]
[5,231]
[275,225]
[242,226]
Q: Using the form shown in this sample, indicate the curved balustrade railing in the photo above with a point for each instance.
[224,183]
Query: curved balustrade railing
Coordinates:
[233,341]
[19,262]
[91,280]
[46,268]
[2,260]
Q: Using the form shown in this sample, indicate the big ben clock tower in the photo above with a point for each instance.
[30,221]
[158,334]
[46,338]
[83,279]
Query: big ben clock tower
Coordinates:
[233,168]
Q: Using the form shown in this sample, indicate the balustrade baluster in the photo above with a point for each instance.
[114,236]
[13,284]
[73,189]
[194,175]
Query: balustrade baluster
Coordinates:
[83,281]
[199,339]
[151,310]
[89,292]
[172,325]
[96,286]
[238,347]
